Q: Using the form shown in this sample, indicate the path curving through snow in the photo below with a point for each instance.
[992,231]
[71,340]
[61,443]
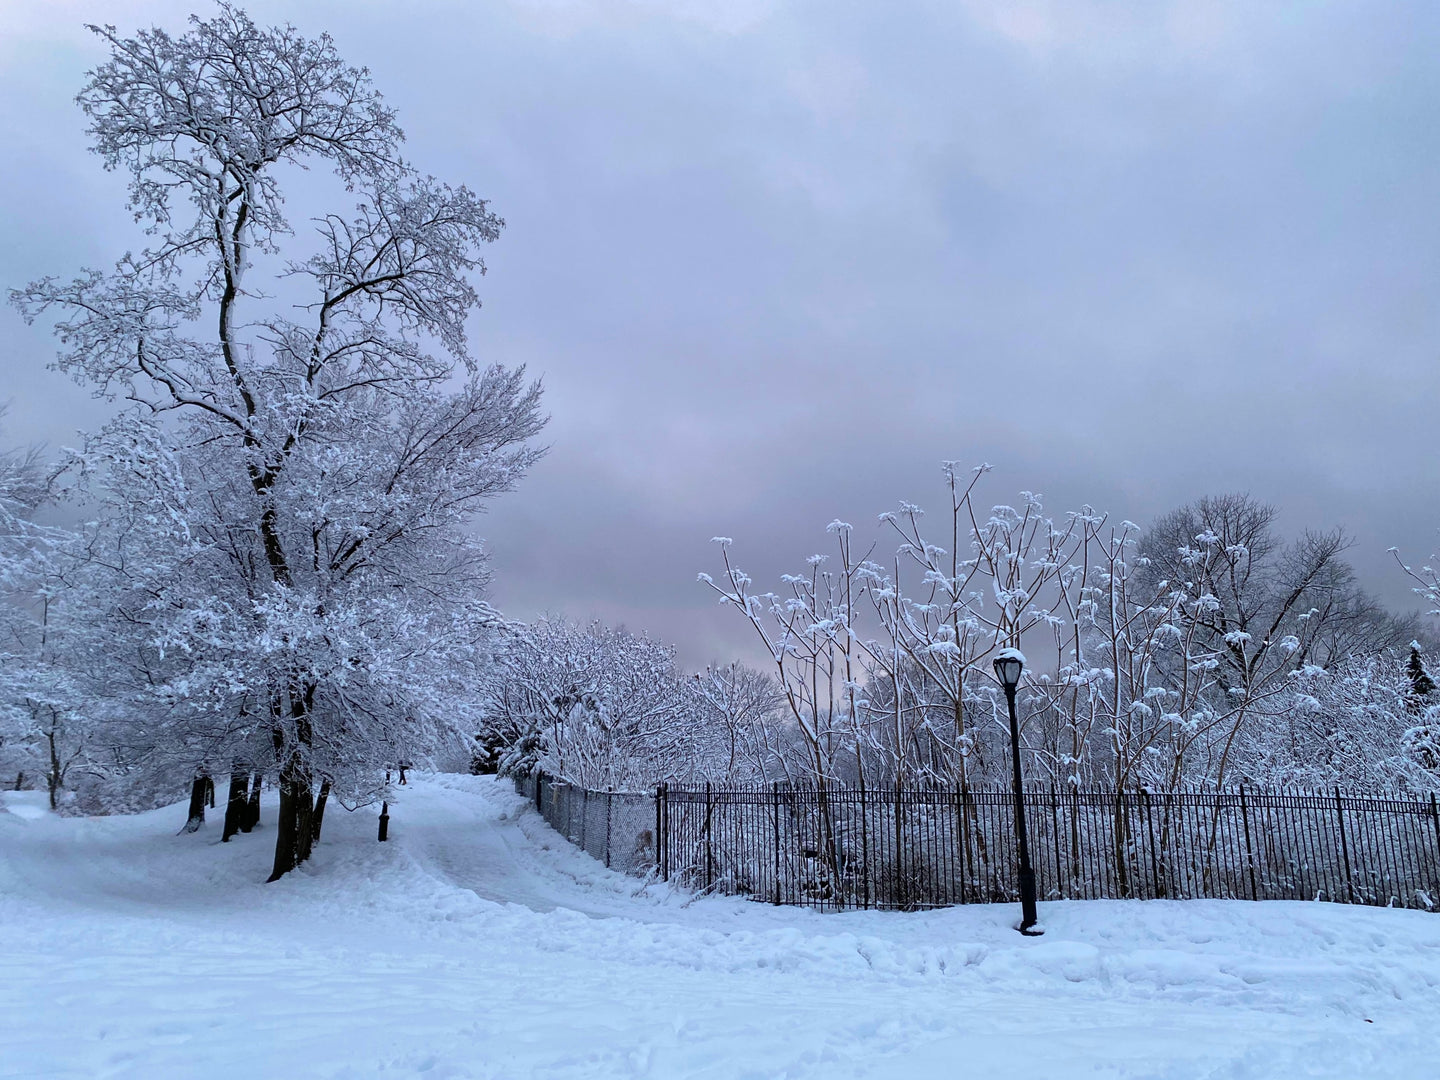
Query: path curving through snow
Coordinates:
[478,943]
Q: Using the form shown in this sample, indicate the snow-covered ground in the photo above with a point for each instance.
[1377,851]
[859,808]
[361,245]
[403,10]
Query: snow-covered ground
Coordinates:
[479,944]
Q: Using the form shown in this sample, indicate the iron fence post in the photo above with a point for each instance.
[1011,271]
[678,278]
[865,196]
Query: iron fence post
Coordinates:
[662,828]
[899,848]
[1123,849]
[1249,850]
[960,836]
[709,864]
[864,846]
[1344,846]
[1055,836]
[1155,890]
[775,800]
[1435,821]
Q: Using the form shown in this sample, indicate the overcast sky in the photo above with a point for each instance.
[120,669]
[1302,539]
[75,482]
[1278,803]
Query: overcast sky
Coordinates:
[775,262]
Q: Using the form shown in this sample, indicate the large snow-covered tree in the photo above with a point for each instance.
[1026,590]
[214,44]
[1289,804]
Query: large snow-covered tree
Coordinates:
[594,704]
[309,421]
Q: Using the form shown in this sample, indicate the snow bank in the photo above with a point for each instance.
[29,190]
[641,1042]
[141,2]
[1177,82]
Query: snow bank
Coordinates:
[478,943]
[30,805]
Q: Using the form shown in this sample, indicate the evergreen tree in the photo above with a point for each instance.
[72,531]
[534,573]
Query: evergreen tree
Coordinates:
[1421,685]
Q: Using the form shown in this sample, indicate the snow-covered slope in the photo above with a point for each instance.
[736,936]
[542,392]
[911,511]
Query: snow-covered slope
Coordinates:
[479,944]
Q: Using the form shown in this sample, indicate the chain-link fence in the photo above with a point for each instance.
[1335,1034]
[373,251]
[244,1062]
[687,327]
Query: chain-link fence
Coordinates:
[616,827]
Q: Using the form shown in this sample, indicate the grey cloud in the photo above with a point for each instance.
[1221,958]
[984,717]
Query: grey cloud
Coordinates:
[776,262]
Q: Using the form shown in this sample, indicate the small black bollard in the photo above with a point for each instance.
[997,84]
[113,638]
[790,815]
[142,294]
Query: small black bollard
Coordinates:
[384,821]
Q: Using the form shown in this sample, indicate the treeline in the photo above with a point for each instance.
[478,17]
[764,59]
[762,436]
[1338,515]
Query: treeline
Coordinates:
[1203,650]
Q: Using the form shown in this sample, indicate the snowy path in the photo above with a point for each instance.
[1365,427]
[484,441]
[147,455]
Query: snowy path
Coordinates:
[479,944]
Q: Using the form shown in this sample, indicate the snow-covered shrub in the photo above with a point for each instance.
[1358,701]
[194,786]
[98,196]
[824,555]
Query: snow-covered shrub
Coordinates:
[1353,727]
[1422,743]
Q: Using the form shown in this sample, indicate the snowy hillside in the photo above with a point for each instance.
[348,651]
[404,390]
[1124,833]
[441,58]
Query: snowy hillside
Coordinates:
[479,944]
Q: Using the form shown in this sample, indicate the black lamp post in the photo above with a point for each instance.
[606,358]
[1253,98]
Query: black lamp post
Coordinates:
[1009,663]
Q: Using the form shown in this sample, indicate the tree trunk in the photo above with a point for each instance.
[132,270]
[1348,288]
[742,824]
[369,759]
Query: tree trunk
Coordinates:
[319,817]
[304,822]
[252,806]
[210,792]
[55,776]
[285,826]
[292,833]
[236,804]
[197,804]
[294,836]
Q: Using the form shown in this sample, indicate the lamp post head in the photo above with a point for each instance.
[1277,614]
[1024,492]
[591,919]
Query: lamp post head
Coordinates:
[1009,663]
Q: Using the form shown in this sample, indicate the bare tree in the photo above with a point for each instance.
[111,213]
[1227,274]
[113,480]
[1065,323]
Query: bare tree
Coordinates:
[738,704]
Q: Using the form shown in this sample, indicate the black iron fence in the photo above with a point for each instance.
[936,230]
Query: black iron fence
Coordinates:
[922,847]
